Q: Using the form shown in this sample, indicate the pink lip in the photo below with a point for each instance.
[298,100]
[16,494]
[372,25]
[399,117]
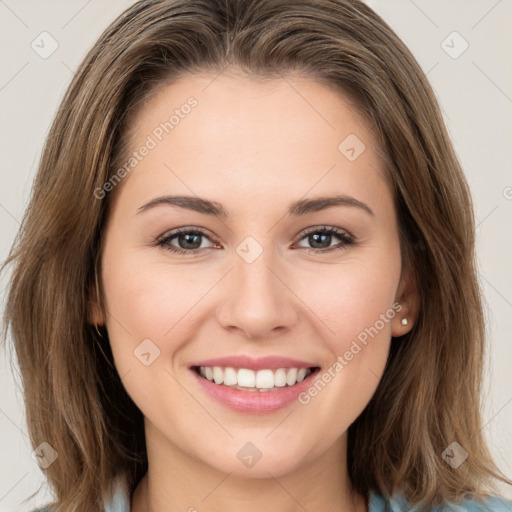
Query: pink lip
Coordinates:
[255,402]
[261,363]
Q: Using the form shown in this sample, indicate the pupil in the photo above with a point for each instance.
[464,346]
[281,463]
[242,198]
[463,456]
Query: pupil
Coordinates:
[316,236]
[188,241]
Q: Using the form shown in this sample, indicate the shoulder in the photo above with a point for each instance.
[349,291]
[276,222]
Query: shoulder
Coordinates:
[493,503]
[397,503]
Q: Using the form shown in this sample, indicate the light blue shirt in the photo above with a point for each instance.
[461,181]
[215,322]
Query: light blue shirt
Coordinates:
[120,502]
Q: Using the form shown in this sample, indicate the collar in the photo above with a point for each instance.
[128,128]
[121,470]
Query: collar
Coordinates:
[120,501]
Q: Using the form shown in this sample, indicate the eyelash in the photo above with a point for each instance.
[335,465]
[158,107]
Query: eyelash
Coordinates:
[345,237]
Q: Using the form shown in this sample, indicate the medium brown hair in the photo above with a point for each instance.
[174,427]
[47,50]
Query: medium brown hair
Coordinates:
[429,395]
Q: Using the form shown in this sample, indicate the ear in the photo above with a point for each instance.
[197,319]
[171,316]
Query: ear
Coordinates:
[408,297]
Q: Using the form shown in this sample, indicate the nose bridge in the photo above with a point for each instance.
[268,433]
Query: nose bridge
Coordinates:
[256,300]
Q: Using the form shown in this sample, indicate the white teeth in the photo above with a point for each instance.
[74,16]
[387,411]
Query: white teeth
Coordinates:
[301,374]
[218,375]
[265,379]
[291,376]
[246,378]
[280,378]
[250,380]
[230,377]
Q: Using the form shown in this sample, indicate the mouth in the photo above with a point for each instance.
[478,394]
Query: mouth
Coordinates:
[256,385]
[256,390]
[263,380]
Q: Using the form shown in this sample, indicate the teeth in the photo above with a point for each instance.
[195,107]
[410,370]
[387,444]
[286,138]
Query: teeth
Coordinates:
[301,374]
[230,377]
[246,378]
[250,380]
[291,376]
[218,375]
[280,378]
[265,379]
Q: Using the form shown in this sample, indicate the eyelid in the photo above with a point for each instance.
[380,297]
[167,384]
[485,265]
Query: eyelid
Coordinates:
[325,227]
[186,229]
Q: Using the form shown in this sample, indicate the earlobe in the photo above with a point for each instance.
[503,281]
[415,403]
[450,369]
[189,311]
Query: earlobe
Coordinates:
[408,298]
[401,324]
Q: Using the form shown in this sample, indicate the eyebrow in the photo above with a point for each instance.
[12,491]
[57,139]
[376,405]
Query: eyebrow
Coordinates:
[301,207]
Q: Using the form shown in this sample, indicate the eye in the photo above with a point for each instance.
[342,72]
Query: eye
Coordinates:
[321,238]
[188,240]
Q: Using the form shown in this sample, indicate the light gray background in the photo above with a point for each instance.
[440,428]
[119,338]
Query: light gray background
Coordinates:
[475,92]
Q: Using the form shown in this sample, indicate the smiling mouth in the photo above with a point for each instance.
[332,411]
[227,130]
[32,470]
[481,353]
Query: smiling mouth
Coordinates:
[263,380]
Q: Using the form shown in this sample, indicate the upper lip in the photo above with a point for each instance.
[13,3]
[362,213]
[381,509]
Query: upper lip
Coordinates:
[260,363]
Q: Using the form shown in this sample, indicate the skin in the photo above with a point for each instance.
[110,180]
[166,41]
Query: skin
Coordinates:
[255,147]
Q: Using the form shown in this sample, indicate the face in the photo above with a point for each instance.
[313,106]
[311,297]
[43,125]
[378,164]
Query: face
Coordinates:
[221,261]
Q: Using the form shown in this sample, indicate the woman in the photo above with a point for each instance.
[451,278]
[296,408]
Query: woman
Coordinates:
[249,262]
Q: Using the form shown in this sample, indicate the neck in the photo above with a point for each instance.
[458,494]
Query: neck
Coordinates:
[176,481]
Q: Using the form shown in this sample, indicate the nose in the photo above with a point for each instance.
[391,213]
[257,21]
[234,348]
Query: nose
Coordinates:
[256,299]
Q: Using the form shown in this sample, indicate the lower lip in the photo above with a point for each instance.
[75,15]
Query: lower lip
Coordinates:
[255,402]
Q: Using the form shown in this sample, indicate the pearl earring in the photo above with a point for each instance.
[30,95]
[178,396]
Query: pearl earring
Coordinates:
[405,321]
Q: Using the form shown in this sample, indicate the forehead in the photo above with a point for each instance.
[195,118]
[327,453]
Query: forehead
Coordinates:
[208,132]
[294,104]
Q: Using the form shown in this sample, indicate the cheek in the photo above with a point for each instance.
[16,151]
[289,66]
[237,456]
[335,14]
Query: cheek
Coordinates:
[148,299]
[144,303]
[358,310]
[353,298]
[138,303]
